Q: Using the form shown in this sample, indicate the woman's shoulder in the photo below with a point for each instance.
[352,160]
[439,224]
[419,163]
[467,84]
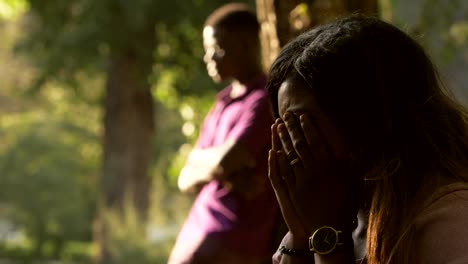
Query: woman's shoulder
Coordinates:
[448,204]
[441,230]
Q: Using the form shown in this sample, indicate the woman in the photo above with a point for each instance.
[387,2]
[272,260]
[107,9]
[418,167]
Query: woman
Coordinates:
[367,127]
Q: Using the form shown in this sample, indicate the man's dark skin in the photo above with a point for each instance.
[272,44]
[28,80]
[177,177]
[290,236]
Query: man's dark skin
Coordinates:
[229,55]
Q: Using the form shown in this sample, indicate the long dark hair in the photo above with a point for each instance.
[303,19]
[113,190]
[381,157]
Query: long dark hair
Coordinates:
[384,94]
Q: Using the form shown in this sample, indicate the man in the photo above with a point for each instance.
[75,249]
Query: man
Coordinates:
[233,218]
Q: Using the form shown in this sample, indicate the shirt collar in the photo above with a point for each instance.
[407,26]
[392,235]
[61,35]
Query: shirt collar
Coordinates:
[225,94]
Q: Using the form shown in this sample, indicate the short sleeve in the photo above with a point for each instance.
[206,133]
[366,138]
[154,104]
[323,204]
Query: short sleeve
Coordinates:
[253,129]
[442,230]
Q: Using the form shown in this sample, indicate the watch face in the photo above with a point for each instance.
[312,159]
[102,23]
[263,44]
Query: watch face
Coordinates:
[324,240]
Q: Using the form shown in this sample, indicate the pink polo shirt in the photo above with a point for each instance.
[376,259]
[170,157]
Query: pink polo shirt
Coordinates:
[241,228]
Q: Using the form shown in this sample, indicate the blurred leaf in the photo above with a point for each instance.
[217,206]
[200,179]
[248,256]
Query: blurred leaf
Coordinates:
[11,9]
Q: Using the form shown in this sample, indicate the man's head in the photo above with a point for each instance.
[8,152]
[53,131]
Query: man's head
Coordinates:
[231,42]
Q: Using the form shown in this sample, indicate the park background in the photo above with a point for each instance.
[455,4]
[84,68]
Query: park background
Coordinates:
[101,100]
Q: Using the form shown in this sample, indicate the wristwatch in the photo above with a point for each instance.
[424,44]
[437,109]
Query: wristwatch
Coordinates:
[324,240]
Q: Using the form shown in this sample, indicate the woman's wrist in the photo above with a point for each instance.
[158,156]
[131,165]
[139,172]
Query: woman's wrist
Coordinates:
[299,242]
[296,248]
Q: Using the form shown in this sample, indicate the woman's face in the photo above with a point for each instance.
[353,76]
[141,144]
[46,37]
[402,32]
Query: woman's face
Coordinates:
[295,96]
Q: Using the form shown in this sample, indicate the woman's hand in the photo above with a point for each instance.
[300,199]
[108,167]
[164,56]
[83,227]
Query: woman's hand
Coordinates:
[318,187]
[280,187]
[289,241]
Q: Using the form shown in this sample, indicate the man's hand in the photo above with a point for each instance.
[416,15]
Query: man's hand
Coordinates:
[229,163]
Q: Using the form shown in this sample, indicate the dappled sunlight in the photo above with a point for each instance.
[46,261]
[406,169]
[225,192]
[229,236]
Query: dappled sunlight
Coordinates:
[68,69]
[11,9]
[459,32]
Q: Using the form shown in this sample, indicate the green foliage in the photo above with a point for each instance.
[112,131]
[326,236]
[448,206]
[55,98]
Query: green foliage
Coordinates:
[76,252]
[437,24]
[129,241]
[50,156]
[10,9]
[50,153]
[66,37]
[48,163]
[48,172]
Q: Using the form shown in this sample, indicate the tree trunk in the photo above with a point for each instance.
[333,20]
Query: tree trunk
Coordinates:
[128,131]
[281,21]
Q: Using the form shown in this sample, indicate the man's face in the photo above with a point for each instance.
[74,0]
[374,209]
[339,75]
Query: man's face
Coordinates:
[220,54]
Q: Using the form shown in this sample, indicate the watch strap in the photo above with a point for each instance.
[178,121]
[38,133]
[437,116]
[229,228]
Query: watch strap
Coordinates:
[294,252]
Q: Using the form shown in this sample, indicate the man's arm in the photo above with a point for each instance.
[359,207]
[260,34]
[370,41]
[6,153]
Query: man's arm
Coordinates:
[219,162]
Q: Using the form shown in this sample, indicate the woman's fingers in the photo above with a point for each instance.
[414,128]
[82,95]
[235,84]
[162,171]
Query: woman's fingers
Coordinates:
[282,148]
[286,143]
[298,141]
[273,170]
[275,141]
[286,174]
[282,193]
[314,138]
